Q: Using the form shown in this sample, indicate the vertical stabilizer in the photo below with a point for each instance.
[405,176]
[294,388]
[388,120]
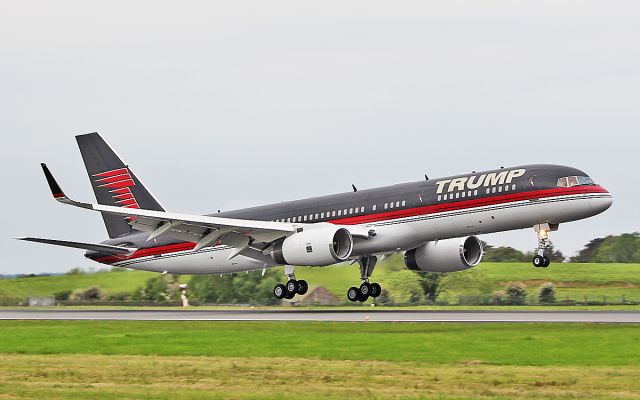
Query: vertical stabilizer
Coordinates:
[113,182]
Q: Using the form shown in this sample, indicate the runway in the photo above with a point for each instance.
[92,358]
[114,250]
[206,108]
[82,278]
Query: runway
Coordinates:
[328,315]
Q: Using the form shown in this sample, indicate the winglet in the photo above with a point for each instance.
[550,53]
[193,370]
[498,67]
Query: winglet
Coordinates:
[56,190]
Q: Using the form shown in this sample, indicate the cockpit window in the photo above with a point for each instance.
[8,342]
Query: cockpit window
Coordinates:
[585,180]
[570,181]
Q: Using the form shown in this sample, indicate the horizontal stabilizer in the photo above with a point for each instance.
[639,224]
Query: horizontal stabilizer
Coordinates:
[102,248]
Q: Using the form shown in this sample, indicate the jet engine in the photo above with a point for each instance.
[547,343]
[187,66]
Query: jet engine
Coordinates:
[314,247]
[448,255]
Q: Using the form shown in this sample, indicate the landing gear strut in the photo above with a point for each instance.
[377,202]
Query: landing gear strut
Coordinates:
[292,287]
[366,289]
[542,231]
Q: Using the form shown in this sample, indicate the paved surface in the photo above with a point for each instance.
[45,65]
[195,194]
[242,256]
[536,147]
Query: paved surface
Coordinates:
[337,315]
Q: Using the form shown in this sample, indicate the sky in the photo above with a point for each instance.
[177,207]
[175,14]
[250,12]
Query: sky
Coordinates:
[222,105]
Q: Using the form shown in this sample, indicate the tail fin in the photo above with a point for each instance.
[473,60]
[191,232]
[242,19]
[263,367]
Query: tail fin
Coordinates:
[113,182]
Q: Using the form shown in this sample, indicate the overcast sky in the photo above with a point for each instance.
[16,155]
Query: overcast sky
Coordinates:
[222,105]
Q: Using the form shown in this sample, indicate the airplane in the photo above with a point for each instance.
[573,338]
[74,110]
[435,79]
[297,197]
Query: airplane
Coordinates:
[434,222]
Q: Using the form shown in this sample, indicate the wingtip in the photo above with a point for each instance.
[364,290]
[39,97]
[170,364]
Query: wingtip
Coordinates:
[55,188]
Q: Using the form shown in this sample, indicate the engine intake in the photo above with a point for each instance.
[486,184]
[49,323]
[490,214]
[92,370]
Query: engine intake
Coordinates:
[448,255]
[314,247]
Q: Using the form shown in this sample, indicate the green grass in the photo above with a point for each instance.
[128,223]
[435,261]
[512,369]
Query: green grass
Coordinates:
[498,344]
[265,360]
[109,282]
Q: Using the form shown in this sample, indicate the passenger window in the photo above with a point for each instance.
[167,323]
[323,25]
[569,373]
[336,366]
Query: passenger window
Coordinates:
[321,215]
[404,203]
[390,205]
[475,192]
[446,196]
[457,195]
[316,216]
[294,219]
[305,217]
[506,188]
[493,190]
[513,187]
[488,190]
[464,194]
[374,207]
[386,205]
[439,198]
[333,214]
[351,211]
[499,189]
[362,209]
[339,213]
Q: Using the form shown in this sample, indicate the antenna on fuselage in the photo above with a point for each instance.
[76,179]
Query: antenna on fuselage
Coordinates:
[426,178]
[355,189]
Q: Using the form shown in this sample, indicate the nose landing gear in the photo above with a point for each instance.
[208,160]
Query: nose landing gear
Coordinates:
[366,289]
[542,232]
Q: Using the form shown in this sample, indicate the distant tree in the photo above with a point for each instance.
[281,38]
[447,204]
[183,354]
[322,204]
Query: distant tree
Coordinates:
[504,254]
[430,284]
[62,295]
[88,294]
[155,289]
[586,255]
[92,293]
[554,255]
[75,271]
[547,293]
[403,287]
[252,288]
[619,249]
[515,293]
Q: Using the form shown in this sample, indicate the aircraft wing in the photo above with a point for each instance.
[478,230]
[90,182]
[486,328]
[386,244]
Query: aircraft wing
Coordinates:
[200,229]
[103,248]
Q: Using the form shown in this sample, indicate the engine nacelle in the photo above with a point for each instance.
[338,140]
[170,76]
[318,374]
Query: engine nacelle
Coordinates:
[314,247]
[448,255]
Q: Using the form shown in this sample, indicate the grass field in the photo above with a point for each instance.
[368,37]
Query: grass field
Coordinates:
[198,360]
[594,282]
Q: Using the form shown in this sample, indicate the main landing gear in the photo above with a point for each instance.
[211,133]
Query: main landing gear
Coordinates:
[292,287]
[542,231]
[366,289]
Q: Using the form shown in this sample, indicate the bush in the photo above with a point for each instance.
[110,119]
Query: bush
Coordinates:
[497,298]
[74,271]
[121,296]
[62,295]
[547,293]
[404,288]
[91,293]
[515,294]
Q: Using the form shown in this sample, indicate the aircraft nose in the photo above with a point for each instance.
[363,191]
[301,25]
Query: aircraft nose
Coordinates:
[601,203]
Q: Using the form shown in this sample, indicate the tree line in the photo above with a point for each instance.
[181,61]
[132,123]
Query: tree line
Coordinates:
[623,248]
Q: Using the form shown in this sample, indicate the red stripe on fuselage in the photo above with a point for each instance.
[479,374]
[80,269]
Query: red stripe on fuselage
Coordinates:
[463,204]
[389,215]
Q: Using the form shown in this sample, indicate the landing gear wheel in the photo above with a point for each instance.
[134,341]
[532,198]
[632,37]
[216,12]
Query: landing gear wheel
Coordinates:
[303,287]
[538,261]
[547,262]
[290,295]
[353,294]
[292,286]
[280,291]
[365,290]
[376,289]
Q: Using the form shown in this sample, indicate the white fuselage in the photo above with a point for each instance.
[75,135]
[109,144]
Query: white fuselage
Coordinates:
[400,234]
